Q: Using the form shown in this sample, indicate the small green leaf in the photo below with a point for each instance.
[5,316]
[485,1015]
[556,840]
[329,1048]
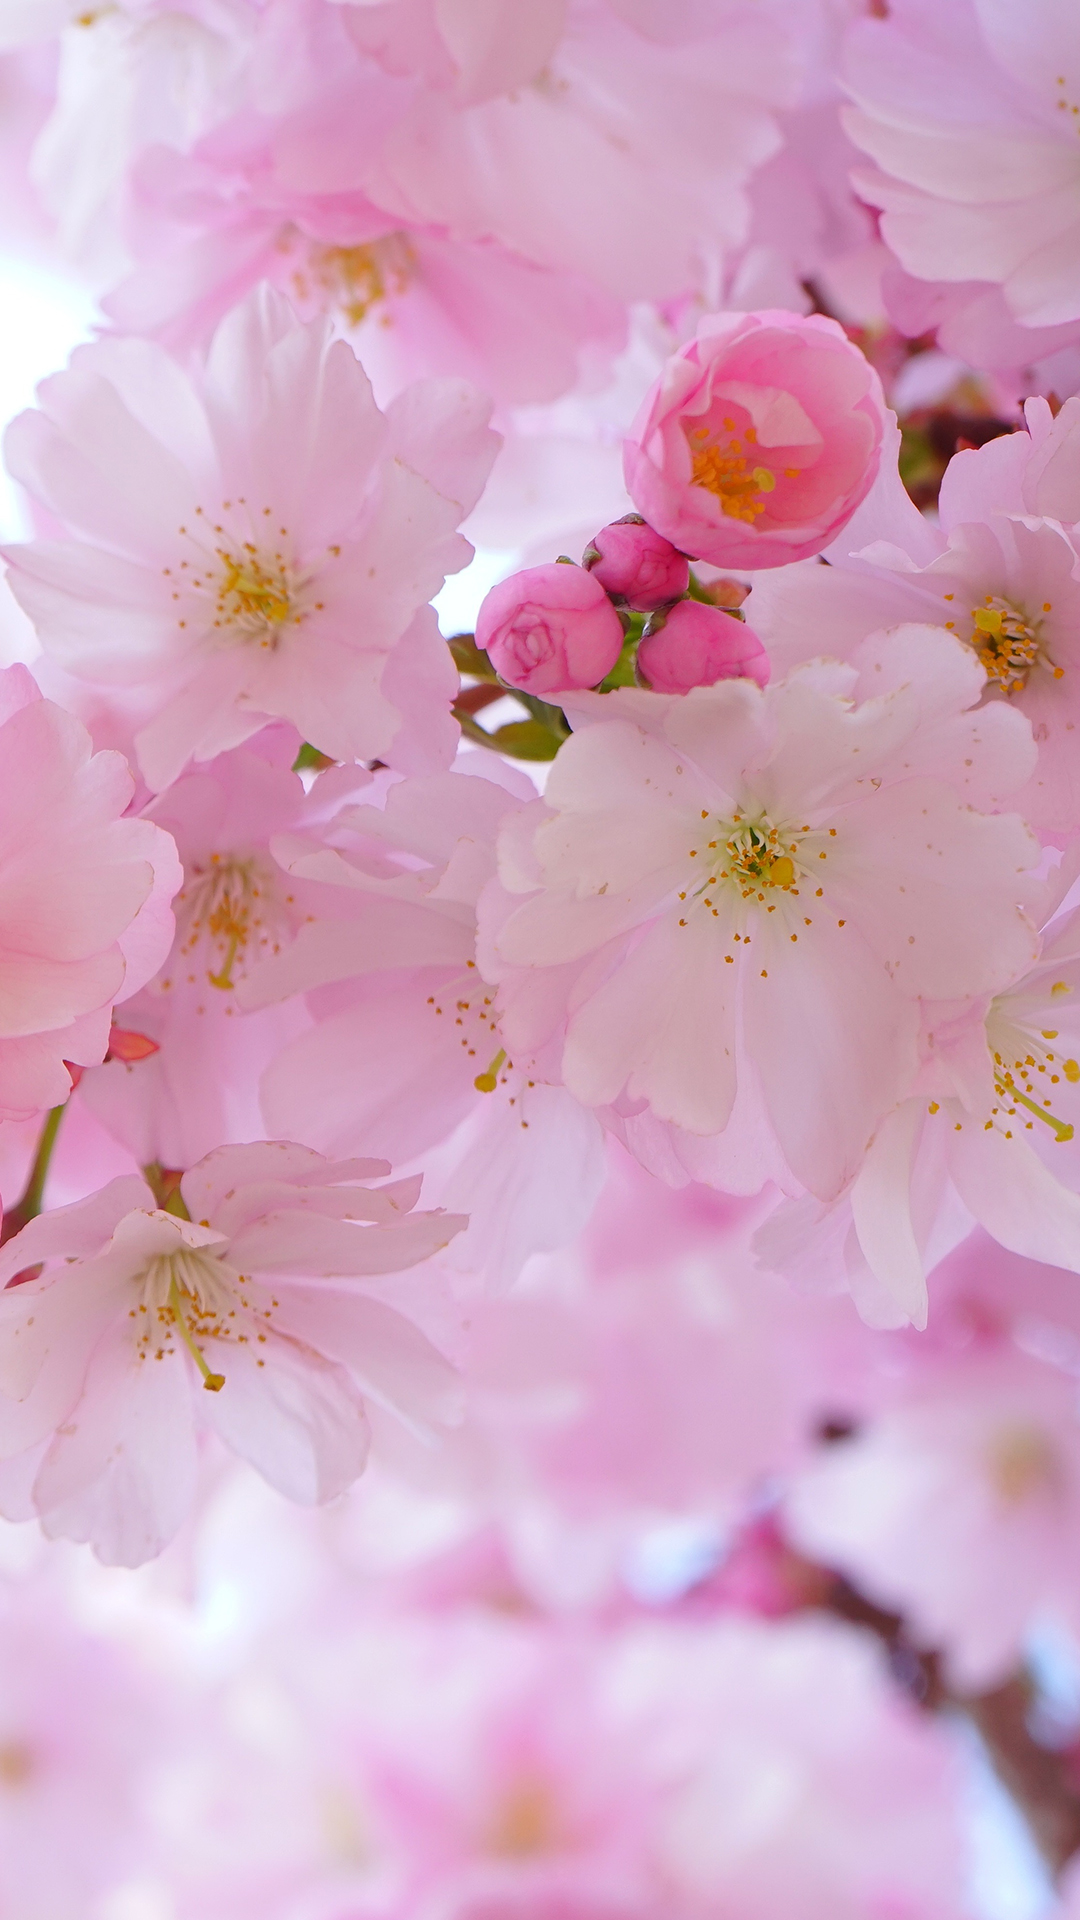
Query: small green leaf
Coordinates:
[309,759]
[468,658]
[526,740]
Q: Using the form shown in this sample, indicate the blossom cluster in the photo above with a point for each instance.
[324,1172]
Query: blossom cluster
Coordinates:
[540,1266]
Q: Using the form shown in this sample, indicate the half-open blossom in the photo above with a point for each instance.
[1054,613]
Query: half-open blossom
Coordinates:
[247,1317]
[84,896]
[256,542]
[758,441]
[550,630]
[742,883]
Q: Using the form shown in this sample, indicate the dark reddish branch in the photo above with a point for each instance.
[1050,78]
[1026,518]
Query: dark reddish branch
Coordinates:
[1044,1781]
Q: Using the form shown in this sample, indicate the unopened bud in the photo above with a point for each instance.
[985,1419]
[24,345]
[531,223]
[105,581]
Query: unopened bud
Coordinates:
[549,630]
[695,646]
[634,563]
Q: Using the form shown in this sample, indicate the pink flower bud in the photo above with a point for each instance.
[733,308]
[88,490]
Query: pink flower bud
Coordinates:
[759,439]
[698,645]
[550,629]
[636,564]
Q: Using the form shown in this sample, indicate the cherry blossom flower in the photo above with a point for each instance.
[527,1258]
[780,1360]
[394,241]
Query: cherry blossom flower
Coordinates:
[624,157]
[957,1505]
[806,1780]
[84,897]
[663,900]
[257,544]
[758,441]
[197,1086]
[407,1047]
[78,1726]
[249,1298]
[1001,571]
[991,1135]
[413,299]
[971,113]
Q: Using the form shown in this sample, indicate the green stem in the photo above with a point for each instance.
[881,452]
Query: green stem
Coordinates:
[29,1206]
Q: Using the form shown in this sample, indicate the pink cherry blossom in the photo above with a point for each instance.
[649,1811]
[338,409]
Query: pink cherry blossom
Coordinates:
[661,901]
[758,441]
[634,563]
[1001,571]
[413,299]
[957,1505]
[84,897]
[693,645]
[991,1135]
[806,1780]
[407,1047]
[550,630]
[623,161]
[255,544]
[251,1296]
[197,1085]
[970,115]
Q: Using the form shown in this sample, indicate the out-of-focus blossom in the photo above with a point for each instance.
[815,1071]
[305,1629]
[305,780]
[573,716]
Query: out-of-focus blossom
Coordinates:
[412,298]
[758,441]
[550,630]
[694,645]
[735,889]
[252,1297]
[971,112]
[255,544]
[84,897]
[957,1505]
[78,1726]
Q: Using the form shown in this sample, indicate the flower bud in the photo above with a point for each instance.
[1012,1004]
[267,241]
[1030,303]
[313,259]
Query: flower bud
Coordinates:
[636,564]
[549,630]
[695,645]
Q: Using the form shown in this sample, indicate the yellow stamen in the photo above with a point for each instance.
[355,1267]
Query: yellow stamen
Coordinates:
[213,1382]
[1061,1129]
[487,1082]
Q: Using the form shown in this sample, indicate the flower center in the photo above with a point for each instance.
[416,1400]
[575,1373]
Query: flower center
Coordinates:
[189,1297]
[255,590]
[1024,1067]
[230,906]
[16,1763]
[1006,644]
[1021,1462]
[527,1822]
[720,462]
[469,1006]
[357,279]
[237,577]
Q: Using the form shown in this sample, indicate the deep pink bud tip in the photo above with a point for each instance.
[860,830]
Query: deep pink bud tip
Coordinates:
[634,563]
[697,645]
